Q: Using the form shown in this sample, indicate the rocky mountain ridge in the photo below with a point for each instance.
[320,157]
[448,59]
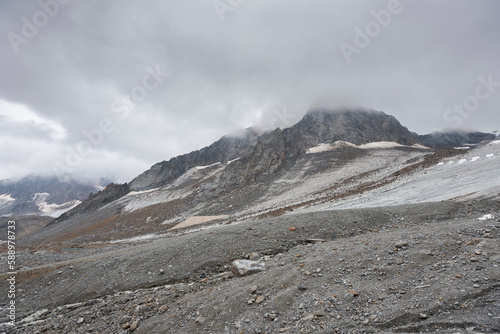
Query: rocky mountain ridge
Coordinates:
[254,158]
[451,138]
[223,150]
[281,148]
[258,156]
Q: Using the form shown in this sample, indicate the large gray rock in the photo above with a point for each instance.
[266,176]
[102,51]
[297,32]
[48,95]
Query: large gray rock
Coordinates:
[241,268]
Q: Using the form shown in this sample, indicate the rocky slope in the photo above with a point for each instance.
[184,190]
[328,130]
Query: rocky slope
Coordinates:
[225,149]
[430,267]
[281,148]
[234,175]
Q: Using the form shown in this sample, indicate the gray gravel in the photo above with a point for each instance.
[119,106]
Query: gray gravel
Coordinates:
[430,267]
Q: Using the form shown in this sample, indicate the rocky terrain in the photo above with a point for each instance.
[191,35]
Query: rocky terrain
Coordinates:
[418,268]
[358,228]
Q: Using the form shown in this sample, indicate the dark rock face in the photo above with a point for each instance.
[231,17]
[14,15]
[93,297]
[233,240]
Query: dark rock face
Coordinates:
[357,127]
[25,189]
[95,201]
[453,138]
[280,148]
[225,149]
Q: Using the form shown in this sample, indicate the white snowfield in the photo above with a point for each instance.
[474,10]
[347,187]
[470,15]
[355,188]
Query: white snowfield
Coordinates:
[137,238]
[474,175]
[339,144]
[5,199]
[207,166]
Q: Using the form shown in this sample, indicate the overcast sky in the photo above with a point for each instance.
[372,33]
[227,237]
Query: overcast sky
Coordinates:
[108,88]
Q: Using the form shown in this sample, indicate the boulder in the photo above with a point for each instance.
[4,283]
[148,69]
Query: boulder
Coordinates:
[241,268]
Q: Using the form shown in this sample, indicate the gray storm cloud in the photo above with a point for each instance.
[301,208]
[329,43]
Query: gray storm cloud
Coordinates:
[87,67]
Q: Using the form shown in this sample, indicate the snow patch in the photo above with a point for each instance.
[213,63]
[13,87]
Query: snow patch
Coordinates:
[33,317]
[5,199]
[231,161]
[491,155]
[420,146]
[138,238]
[474,159]
[132,193]
[495,142]
[380,144]
[486,217]
[55,210]
[208,166]
[40,198]
[52,210]
[320,148]
[324,147]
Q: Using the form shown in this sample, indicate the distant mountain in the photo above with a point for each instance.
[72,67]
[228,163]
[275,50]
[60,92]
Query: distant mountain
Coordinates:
[39,195]
[454,138]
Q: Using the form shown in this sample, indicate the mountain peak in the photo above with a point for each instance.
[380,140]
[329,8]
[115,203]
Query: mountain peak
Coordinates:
[317,110]
[357,126]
